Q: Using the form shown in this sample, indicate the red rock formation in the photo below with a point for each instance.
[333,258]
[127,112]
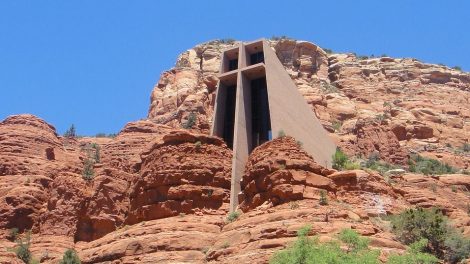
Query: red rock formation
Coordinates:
[181,173]
[374,136]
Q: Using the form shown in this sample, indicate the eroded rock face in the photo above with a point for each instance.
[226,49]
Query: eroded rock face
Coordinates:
[373,136]
[280,171]
[181,173]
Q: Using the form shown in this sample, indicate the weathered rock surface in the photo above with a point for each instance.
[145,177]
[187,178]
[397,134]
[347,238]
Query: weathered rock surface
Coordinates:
[181,173]
[424,105]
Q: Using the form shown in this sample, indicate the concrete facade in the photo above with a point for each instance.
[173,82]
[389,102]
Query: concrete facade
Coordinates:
[289,113]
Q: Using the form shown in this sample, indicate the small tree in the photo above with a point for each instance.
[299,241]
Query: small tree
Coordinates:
[88,170]
[97,155]
[70,257]
[70,133]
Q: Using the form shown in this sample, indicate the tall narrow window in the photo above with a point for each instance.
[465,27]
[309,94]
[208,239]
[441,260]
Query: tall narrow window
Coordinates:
[256,58]
[261,120]
[229,119]
[232,64]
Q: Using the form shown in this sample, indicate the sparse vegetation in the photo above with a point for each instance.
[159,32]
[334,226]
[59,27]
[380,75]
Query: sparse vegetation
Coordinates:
[466,147]
[373,162]
[227,40]
[363,57]
[328,87]
[233,216]
[337,125]
[293,205]
[281,133]
[191,121]
[443,241]
[276,38]
[341,161]
[70,133]
[198,145]
[22,250]
[309,250]
[323,198]
[299,143]
[429,166]
[70,257]
[104,135]
[13,234]
[415,255]
[96,155]
[88,172]
[458,68]
[328,51]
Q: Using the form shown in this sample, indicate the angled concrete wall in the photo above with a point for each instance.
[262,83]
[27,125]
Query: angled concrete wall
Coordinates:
[289,112]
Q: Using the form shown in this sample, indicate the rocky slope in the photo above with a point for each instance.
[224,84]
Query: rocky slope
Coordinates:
[166,201]
[160,194]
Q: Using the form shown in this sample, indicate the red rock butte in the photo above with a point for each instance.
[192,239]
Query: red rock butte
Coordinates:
[160,190]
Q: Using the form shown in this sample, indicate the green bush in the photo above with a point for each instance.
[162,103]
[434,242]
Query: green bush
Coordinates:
[373,162]
[309,250]
[414,255]
[281,133]
[22,249]
[70,257]
[233,216]
[342,162]
[339,159]
[191,122]
[429,166]
[458,68]
[198,145]
[443,241]
[413,225]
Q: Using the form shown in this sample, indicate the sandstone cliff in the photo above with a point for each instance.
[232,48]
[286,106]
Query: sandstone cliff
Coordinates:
[159,193]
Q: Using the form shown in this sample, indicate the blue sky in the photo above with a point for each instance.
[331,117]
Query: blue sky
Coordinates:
[94,63]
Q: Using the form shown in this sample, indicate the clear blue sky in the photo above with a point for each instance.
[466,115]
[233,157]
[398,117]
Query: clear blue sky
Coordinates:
[94,63]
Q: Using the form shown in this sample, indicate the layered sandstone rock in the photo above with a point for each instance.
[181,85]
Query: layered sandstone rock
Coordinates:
[181,173]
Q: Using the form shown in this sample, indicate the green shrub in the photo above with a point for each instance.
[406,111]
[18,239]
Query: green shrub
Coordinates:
[70,257]
[70,133]
[458,68]
[429,166]
[339,159]
[323,198]
[373,162]
[457,247]
[281,133]
[309,250]
[88,172]
[414,255]
[443,241]
[413,225]
[328,87]
[227,40]
[22,248]
[191,122]
[233,216]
